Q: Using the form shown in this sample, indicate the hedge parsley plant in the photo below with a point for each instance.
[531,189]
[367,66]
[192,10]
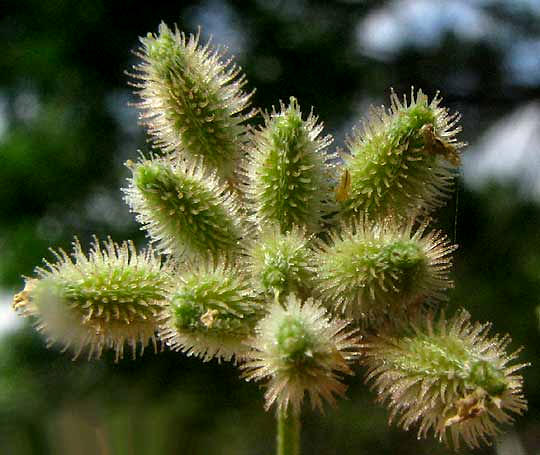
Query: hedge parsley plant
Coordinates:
[272,252]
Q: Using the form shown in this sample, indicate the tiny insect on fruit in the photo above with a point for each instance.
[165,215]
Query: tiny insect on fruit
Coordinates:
[436,146]
[473,405]
[344,186]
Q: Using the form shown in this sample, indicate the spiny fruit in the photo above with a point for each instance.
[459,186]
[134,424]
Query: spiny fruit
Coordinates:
[281,264]
[191,99]
[288,171]
[374,270]
[403,161]
[446,376]
[186,211]
[299,349]
[211,312]
[104,299]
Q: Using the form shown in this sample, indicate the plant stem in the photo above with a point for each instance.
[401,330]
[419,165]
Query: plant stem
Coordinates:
[288,433]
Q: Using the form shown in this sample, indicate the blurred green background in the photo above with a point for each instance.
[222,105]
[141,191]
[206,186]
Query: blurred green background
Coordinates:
[66,129]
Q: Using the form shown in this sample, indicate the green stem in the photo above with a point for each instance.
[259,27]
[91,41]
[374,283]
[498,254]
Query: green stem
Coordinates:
[288,433]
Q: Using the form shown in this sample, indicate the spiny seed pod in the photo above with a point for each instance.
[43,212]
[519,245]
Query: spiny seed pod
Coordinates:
[447,376]
[288,173]
[185,211]
[403,161]
[280,264]
[191,99]
[102,300]
[211,313]
[369,270]
[299,349]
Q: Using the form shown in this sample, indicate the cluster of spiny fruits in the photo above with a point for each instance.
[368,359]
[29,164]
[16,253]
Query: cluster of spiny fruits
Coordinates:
[288,259]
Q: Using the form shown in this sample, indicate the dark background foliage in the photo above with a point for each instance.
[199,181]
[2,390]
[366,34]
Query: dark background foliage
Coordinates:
[66,129]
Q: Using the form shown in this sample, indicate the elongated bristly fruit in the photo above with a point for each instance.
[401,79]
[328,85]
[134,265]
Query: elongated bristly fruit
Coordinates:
[300,350]
[281,264]
[288,171]
[192,102]
[187,211]
[447,376]
[402,160]
[211,313]
[105,299]
[375,271]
